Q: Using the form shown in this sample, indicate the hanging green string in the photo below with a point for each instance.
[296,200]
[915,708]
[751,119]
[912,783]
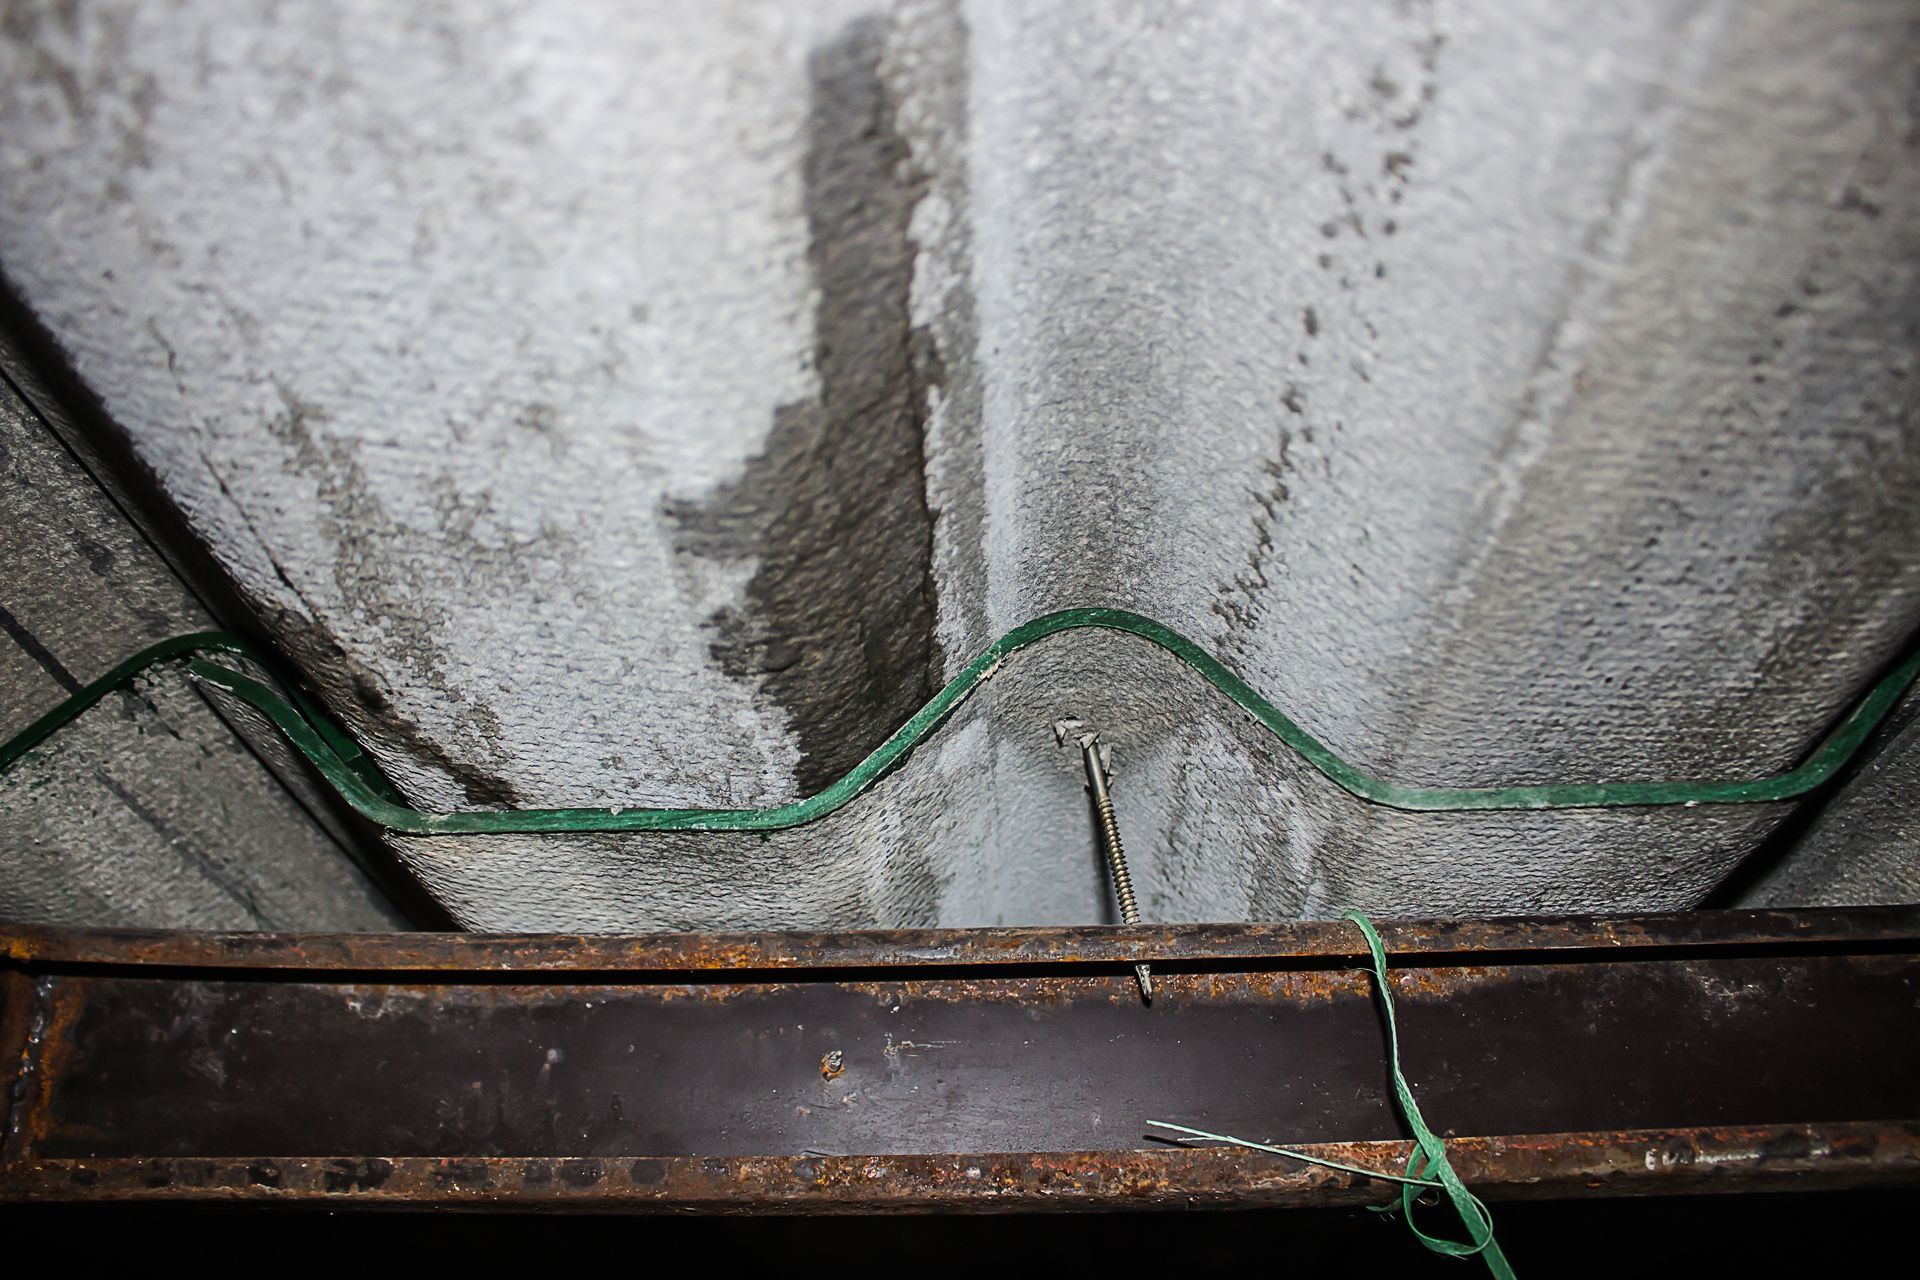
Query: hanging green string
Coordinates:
[351,772]
[1429,1154]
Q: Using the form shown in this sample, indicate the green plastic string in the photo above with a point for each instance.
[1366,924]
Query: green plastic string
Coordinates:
[352,773]
[1429,1154]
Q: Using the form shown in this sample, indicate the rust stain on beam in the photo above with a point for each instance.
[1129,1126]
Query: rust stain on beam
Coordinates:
[1538,1166]
[1214,944]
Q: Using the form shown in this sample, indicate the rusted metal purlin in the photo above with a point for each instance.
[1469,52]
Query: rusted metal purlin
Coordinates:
[1550,1166]
[1090,944]
[977,1070]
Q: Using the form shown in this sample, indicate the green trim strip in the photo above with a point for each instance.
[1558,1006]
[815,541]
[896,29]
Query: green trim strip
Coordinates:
[339,759]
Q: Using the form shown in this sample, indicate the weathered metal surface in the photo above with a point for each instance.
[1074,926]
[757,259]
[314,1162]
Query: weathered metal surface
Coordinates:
[1010,1068]
[1316,940]
[1638,1162]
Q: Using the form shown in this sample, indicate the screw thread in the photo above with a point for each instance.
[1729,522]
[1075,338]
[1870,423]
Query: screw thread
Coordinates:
[1117,864]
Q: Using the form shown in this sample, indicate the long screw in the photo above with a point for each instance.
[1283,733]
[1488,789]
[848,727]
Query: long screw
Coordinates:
[1095,758]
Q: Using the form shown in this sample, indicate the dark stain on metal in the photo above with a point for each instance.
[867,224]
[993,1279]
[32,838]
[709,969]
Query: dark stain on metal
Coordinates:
[350,1175]
[582,1173]
[838,622]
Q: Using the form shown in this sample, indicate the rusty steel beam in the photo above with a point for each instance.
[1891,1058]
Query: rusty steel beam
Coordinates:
[957,1070]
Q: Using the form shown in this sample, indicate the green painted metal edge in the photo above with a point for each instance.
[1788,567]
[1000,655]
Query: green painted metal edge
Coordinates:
[350,772]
